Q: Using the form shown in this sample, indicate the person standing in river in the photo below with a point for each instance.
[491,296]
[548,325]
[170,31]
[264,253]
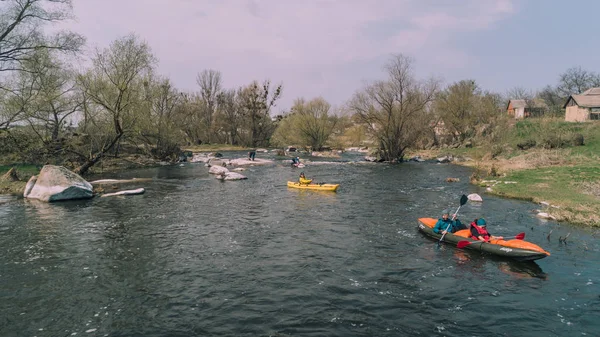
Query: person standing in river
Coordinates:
[445,224]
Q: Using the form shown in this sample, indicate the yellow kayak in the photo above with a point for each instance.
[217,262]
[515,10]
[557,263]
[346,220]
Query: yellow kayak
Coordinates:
[318,187]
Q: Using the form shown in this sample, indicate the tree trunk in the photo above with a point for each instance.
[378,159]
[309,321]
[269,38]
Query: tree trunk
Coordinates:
[96,157]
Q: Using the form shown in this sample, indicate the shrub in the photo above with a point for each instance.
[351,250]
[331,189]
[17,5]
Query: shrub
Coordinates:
[527,144]
[577,139]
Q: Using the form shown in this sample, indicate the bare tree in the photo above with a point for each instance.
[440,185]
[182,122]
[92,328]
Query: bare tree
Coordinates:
[520,93]
[115,86]
[395,110]
[229,115]
[16,98]
[576,80]
[56,99]
[189,117]
[21,30]
[256,102]
[210,88]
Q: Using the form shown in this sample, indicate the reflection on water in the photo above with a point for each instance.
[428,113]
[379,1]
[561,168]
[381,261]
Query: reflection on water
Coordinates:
[196,256]
[522,269]
[474,262]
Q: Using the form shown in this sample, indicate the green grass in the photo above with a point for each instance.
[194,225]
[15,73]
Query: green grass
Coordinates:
[23,170]
[575,189]
[568,176]
[557,185]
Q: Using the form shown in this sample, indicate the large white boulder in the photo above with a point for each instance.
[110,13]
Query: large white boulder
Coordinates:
[55,183]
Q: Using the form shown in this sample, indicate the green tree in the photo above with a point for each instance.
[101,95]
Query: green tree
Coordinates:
[395,111]
[308,124]
[114,91]
[463,108]
[157,124]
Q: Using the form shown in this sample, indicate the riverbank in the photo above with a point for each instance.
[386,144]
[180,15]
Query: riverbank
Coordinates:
[16,184]
[564,181]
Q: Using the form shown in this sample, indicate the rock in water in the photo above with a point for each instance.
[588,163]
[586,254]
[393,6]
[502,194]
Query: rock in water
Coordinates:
[55,183]
[234,176]
[218,170]
[126,192]
[230,176]
[474,197]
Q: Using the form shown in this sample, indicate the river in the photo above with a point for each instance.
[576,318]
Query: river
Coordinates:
[195,256]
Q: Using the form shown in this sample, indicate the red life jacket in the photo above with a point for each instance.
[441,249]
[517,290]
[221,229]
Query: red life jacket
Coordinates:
[481,231]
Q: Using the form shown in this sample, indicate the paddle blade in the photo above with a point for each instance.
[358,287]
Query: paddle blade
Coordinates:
[520,236]
[463,244]
[463,200]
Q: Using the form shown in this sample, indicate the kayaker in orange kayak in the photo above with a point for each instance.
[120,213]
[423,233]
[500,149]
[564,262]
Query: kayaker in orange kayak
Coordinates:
[445,224]
[479,231]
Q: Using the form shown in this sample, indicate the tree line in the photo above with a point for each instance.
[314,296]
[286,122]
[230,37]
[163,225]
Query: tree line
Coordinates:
[52,112]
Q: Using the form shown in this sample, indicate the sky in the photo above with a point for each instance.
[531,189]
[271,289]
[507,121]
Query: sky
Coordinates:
[333,48]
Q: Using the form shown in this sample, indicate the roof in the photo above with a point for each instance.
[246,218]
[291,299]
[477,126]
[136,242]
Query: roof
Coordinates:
[587,99]
[518,103]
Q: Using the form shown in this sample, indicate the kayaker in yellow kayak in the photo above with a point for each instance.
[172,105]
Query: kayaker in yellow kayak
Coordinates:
[302,180]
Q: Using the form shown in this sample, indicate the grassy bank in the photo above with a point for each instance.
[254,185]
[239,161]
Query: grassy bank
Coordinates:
[554,170]
[24,172]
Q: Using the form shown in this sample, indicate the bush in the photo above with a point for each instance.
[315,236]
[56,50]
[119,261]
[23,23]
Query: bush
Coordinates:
[527,144]
[577,139]
[497,150]
[551,141]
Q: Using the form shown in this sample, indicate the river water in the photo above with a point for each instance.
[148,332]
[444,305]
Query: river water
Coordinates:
[195,256]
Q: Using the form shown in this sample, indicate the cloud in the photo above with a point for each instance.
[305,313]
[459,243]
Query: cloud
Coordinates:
[311,46]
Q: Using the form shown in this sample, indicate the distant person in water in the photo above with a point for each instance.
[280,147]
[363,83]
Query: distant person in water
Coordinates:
[295,161]
[251,155]
[302,180]
[445,224]
[479,231]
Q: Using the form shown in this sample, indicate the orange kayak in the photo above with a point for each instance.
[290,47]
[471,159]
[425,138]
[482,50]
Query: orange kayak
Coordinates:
[520,250]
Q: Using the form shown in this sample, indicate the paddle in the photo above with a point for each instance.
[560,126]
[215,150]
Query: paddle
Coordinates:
[463,244]
[519,236]
[463,200]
